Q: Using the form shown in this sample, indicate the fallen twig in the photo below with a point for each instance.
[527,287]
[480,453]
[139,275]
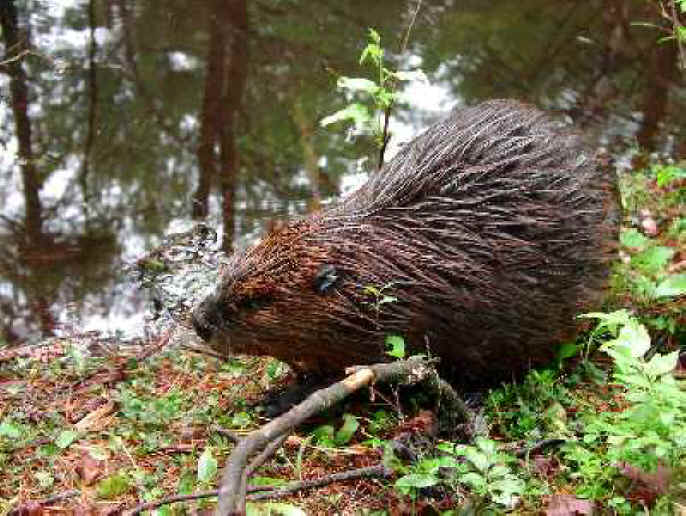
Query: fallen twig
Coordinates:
[148,506]
[265,455]
[378,470]
[537,447]
[233,436]
[33,507]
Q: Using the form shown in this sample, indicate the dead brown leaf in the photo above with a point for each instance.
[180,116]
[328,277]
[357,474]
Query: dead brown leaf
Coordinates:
[569,505]
[96,419]
[89,469]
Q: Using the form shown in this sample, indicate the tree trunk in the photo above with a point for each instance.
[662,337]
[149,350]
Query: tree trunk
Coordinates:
[226,69]
[92,108]
[234,16]
[660,74]
[19,100]
[309,154]
[209,119]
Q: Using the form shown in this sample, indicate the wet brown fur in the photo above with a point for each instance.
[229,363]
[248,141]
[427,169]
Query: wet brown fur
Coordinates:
[493,229]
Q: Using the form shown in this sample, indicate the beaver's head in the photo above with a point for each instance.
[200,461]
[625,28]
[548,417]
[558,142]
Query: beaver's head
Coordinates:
[281,298]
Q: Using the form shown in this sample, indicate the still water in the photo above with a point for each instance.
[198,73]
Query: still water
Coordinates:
[125,120]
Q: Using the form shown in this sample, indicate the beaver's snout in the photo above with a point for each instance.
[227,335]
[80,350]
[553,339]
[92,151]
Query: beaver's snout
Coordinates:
[205,319]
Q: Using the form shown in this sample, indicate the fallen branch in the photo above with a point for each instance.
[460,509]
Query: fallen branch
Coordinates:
[233,487]
[148,506]
[230,434]
[37,506]
[118,373]
[378,471]
[538,447]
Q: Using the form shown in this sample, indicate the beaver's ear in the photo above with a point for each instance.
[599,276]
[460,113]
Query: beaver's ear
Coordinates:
[326,278]
[275,226]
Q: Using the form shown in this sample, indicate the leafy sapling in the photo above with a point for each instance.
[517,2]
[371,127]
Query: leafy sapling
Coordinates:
[370,115]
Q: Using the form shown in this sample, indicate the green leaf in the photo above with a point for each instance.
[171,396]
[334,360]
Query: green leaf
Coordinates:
[241,420]
[479,460]
[474,480]
[486,445]
[323,436]
[667,174]
[654,259]
[374,36]
[357,84]
[667,418]
[568,350]
[98,453]
[411,75]
[508,486]
[672,286]
[445,461]
[65,438]
[346,432]
[373,53]
[499,471]
[384,98]
[662,364]
[633,238]
[610,321]
[397,344]
[355,112]
[207,466]
[390,460]
[273,509]
[415,481]
[186,483]
[114,486]
[632,336]
[9,430]
[371,289]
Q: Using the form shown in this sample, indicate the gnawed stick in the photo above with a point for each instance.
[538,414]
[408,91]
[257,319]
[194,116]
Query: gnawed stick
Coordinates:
[233,486]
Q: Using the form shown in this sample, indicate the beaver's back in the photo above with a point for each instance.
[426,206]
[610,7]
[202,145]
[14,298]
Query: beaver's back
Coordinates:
[495,227]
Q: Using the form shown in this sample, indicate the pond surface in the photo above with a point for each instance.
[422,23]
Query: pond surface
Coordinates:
[125,120]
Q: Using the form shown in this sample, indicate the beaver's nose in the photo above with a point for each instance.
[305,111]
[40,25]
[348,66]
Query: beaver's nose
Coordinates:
[205,319]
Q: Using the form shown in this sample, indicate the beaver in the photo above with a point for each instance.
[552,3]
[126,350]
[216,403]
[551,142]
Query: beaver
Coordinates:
[478,243]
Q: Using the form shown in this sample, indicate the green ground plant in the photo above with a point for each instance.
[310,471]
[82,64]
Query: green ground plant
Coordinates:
[480,468]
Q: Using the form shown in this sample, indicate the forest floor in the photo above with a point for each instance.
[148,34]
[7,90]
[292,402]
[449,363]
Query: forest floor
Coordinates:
[88,426]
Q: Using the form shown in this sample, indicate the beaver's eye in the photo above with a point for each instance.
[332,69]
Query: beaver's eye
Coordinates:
[326,278]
